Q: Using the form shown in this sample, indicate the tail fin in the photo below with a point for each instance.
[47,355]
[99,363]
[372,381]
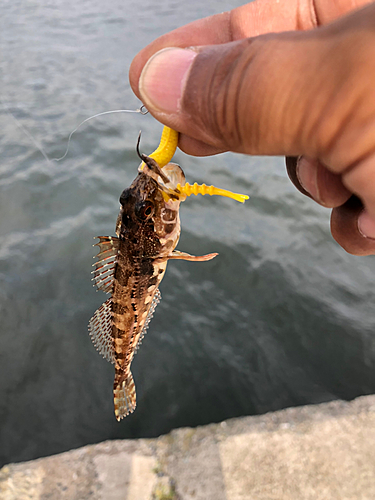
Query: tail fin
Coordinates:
[124,396]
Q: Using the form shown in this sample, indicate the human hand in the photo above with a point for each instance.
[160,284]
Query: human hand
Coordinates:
[302,93]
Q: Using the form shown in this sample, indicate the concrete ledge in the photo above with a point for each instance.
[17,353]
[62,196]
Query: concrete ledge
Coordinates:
[321,452]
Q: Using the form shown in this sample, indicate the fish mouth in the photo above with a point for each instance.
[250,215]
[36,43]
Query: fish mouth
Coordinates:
[166,178]
[175,176]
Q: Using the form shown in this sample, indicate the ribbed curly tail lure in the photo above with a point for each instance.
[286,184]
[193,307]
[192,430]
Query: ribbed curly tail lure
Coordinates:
[163,155]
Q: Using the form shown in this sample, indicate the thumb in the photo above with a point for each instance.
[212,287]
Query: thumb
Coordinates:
[261,95]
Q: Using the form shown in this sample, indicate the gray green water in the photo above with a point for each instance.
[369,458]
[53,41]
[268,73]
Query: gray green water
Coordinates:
[282,317]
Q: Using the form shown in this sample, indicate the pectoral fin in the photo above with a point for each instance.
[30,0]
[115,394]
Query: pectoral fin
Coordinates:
[104,273]
[176,254]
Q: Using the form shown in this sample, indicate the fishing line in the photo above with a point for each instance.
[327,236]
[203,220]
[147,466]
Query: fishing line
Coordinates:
[26,132]
[142,110]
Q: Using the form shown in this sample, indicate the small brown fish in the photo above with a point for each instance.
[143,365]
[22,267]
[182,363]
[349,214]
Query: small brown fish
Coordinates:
[131,266]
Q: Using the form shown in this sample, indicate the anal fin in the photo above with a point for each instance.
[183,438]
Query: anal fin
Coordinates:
[100,330]
[155,301]
[176,254]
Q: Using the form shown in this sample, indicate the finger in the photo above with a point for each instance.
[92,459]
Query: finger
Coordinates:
[280,94]
[291,169]
[201,93]
[249,20]
[312,178]
[345,230]
[360,179]
[366,225]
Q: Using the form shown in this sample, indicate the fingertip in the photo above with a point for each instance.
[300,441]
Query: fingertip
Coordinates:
[366,225]
[307,175]
[324,186]
[211,30]
[140,61]
[291,168]
[345,228]
[162,80]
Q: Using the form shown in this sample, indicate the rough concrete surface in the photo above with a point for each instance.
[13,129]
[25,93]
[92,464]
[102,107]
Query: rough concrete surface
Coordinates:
[321,452]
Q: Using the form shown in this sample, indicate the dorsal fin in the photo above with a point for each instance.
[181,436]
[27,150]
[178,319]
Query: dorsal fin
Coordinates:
[100,330]
[155,301]
[105,266]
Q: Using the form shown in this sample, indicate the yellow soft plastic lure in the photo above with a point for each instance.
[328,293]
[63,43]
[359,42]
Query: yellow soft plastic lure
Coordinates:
[166,149]
[163,155]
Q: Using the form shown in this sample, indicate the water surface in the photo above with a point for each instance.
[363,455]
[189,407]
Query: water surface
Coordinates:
[282,317]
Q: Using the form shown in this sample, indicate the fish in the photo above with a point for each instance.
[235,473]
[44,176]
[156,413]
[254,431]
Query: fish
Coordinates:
[131,265]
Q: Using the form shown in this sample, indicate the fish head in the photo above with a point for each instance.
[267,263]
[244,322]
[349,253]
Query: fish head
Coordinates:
[149,216]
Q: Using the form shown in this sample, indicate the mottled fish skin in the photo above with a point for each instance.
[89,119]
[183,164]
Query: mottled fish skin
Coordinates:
[131,267]
[145,242]
[148,230]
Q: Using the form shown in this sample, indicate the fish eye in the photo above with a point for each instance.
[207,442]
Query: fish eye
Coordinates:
[145,210]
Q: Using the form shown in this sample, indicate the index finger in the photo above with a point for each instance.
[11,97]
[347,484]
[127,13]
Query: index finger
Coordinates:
[252,19]
[248,20]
